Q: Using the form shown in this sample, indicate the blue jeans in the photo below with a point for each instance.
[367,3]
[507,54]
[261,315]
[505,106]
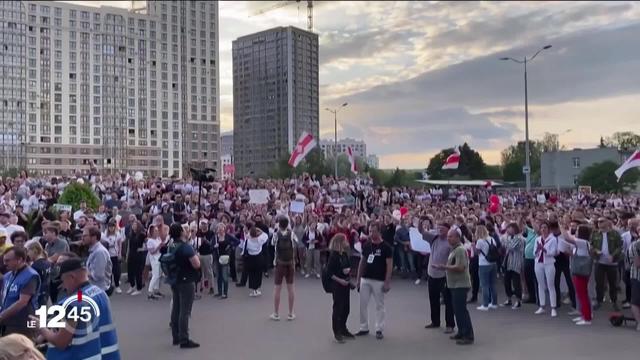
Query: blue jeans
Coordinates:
[223,279]
[488,275]
[405,258]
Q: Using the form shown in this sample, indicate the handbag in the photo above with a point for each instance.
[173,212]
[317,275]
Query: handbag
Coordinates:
[581,265]
[223,260]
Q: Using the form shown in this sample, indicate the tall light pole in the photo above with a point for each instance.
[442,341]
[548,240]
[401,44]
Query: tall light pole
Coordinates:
[527,169]
[335,133]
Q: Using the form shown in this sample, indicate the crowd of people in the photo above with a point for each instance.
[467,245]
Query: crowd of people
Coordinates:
[349,232]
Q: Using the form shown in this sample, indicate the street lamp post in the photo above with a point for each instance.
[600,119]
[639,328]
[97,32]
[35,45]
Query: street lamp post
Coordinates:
[526,114]
[335,133]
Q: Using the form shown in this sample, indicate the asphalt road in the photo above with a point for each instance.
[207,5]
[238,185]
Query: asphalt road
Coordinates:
[239,328]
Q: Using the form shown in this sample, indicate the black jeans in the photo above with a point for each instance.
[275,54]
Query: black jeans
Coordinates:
[420,262]
[530,279]
[341,309]
[183,295]
[610,273]
[253,265]
[562,267]
[512,285]
[116,270]
[459,300]
[627,285]
[474,272]
[135,267]
[436,287]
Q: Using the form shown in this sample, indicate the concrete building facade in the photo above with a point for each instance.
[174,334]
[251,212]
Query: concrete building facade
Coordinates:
[561,169]
[358,147]
[373,161]
[127,90]
[275,96]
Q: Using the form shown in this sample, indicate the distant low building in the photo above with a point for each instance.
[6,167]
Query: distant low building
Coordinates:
[373,161]
[561,169]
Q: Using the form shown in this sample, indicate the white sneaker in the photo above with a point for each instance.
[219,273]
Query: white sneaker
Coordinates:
[274,317]
[554,313]
[136,293]
[118,290]
[307,276]
[317,276]
[579,318]
[258,293]
[493,307]
[574,312]
[252,293]
[130,291]
[583,322]
[482,308]
[417,282]
[539,311]
[291,317]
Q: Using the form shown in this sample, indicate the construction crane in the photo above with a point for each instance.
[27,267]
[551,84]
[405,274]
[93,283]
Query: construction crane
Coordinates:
[282,4]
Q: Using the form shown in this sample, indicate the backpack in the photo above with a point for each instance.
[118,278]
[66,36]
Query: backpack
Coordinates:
[326,280]
[493,255]
[169,264]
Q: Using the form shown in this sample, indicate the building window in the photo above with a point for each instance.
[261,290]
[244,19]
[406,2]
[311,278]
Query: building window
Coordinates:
[575,179]
[576,162]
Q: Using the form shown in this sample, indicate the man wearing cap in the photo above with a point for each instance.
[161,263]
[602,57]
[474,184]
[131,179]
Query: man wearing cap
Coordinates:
[19,300]
[440,249]
[87,335]
[606,248]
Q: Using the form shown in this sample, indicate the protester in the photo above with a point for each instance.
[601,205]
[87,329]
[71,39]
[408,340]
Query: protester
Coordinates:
[374,279]
[40,263]
[580,278]
[285,244]
[459,282]
[136,258]
[487,269]
[606,246]
[440,250]
[514,259]
[113,238]
[546,250]
[253,244]
[99,262]
[224,251]
[21,289]
[154,244]
[338,270]
[188,266]
[18,347]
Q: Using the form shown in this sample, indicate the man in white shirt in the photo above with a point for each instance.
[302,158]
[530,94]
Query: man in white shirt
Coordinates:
[80,212]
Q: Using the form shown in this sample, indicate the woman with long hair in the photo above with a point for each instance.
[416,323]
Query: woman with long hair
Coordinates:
[154,244]
[18,347]
[339,268]
[252,252]
[136,258]
[42,266]
[113,238]
[314,240]
[298,228]
[581,281]
[486,269]
[545,251]
[513,262]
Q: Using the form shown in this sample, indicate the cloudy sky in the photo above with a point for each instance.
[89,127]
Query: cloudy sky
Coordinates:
[422,76]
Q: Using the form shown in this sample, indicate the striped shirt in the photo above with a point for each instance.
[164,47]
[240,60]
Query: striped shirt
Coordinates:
[514,258]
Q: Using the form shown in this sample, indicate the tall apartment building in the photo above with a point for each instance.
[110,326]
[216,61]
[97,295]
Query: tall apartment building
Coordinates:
[359,147]
[226,143]
[275,96]
[128,90]
[373,161]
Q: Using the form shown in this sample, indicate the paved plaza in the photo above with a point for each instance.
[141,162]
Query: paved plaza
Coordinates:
[239,329]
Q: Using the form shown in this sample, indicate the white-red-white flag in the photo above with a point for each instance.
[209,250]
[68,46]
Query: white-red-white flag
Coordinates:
[304,146]
[352,160]
[632,161]
[452,161]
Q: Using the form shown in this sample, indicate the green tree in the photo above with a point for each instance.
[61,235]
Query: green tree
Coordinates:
[471,165]
[623,140]
[75,193]
[550,142]
[513,159]
[601,177]
[494,172]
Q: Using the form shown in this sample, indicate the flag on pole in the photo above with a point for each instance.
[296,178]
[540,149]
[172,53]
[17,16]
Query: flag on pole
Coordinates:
[304,146]
[453,160]
[352,160]
[632,161]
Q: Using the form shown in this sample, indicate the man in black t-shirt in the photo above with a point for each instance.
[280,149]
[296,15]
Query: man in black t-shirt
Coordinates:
[374,276]
[188,266]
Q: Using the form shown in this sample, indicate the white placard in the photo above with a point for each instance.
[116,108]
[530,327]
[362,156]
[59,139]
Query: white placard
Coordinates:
[62,207]
[418,244]
[258,196]
[297,207]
